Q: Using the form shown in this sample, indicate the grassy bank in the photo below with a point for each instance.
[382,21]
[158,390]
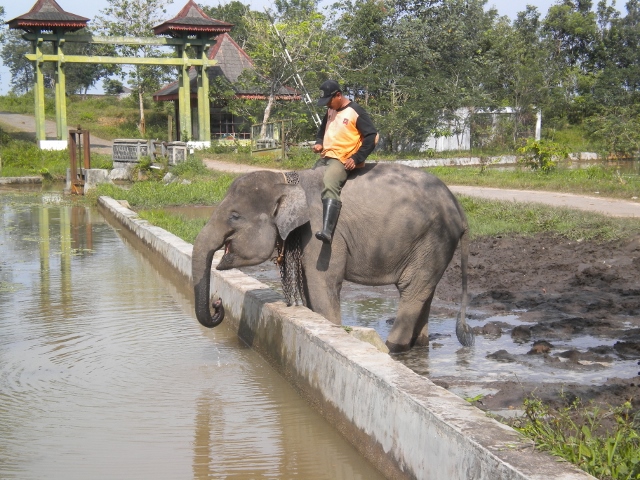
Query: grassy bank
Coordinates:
[596,180]
[486,217]
[20,157]
[106,117]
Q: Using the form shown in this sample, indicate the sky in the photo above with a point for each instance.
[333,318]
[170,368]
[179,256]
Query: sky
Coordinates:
[92,8]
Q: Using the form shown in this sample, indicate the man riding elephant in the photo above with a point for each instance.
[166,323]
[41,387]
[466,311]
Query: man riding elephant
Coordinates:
[345,139]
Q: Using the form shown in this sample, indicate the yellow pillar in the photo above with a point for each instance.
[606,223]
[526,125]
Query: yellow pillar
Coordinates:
[184,96]
[204,119]
[61,90]
[38,90]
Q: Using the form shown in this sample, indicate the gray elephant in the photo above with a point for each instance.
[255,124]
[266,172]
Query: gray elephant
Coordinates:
[398,225]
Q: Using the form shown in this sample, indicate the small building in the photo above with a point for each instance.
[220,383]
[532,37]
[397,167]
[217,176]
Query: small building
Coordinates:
[231,62]
[463,129]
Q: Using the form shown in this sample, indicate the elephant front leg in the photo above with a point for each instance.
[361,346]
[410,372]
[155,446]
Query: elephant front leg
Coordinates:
[324,300]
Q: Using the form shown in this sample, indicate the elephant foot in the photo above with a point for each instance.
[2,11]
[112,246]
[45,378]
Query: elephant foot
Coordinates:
[422,340]
[397,348]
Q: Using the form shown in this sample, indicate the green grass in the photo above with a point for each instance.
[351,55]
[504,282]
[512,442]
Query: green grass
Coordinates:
[595,180]
[573,137]
[297,157]
[106,117]
[604,442]
[153,194]
[491,218]
[20,157]
[185,228]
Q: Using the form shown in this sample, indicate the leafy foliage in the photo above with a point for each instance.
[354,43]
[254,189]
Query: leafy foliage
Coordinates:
[604,443]
[136,18]
[542,154]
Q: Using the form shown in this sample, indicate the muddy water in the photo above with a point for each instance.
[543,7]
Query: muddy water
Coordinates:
[444,358]
[105,373]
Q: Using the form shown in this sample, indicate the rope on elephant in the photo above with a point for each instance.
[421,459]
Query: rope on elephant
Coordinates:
[290,263]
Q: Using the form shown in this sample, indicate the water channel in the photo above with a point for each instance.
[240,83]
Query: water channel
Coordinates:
[105,372]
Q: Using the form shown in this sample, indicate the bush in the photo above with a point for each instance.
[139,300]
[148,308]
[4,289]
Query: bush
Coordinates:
[542,155]
[603,442]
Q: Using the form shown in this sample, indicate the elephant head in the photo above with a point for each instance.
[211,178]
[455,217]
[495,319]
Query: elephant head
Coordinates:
[258,208]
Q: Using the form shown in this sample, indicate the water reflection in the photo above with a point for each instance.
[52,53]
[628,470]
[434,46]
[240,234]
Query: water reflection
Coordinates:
[105,373]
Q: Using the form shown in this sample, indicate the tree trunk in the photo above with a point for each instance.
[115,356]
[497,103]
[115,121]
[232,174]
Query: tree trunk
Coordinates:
[267,113]
[141,126]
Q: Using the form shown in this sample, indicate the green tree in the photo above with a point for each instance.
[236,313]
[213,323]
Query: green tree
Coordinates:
[314,51]
[420,62]
[234,12]
[80,77]
[136,18]
[14,49]
[516,72]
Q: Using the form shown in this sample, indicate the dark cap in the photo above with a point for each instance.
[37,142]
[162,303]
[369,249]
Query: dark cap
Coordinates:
[328,89]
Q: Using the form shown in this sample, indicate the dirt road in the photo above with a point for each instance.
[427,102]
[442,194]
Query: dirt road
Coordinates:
[27,124]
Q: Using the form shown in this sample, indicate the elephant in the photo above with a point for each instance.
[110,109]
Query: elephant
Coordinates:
[398,225]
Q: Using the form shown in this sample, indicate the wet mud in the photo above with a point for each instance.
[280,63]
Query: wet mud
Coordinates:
[578,310]
[553,317]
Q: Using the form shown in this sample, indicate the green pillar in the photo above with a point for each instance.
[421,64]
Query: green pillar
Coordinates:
[204,119]
[38,90]
[184,96]
[61,90]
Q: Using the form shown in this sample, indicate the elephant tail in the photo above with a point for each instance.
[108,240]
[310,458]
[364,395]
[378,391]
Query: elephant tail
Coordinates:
[464,333]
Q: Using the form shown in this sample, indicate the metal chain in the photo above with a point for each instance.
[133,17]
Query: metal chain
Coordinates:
[289,259]
[292,178]
[289,262]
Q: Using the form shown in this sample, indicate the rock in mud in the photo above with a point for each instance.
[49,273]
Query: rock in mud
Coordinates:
[490,330]
[502,356]
[540,347]
[521,334]
[627,349]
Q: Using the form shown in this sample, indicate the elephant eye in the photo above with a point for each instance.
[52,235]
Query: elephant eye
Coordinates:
[234,216]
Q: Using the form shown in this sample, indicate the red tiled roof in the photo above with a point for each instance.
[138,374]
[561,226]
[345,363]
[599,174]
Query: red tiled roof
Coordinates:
[192,19]
[47,14]
[232,61]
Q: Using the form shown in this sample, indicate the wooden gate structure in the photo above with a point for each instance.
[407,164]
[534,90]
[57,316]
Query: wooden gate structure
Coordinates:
[191,28]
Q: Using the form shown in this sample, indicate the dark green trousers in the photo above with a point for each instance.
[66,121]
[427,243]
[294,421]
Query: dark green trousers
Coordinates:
[335,176]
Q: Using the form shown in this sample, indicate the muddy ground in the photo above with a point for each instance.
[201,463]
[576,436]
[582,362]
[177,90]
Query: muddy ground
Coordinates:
[556,318]
[560,290]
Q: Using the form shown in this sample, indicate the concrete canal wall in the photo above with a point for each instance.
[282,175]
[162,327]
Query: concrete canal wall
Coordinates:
[402,422]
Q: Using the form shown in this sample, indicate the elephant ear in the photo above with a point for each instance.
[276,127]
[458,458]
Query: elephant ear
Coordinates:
[292,210]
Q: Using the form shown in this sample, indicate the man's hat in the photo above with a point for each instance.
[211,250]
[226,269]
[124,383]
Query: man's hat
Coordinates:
[329,89]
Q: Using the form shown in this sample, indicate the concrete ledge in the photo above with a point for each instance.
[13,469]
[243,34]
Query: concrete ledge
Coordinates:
[403,423]
[20,180]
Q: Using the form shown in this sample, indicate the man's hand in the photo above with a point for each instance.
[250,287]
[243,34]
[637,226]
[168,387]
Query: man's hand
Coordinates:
[317,148]
[349,164]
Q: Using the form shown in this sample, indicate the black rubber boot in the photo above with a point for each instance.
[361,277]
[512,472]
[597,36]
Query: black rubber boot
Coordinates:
[330,213]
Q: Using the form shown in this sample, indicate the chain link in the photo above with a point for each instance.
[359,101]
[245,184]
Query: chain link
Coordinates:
[289,262]
[289,259]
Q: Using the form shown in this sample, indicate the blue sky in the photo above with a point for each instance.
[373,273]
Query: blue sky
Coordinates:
[92,8]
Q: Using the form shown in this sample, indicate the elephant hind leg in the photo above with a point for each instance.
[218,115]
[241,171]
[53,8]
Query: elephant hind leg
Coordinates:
[421,332]
[412,318]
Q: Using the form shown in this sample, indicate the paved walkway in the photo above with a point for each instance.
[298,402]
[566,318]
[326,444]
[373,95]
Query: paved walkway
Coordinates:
[27,123]
[607,206]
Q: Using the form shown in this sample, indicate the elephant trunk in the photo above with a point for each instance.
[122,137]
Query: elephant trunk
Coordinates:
[201,274]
